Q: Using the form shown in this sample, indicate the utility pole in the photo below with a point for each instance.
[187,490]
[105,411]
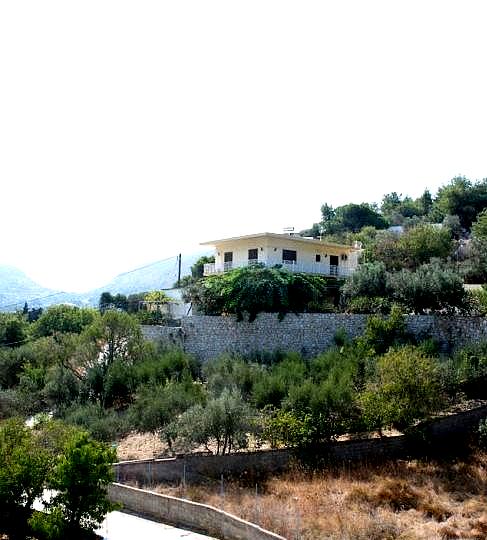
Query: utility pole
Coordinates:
[179,270]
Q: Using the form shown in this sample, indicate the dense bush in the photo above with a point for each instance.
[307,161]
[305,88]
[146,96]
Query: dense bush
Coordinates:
[432,287]
[155,407]
[274,384]
[406,388]
[414,247]
[369,280]
[24,468]
[102,424]
[258,289]
[13,329]
[478,301]
[232,372]
[63,319]
[381,333]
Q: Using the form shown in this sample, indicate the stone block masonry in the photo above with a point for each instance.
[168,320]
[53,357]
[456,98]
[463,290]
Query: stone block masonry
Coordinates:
[207,337]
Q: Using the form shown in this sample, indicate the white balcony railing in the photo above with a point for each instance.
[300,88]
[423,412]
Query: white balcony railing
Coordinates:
[322,269]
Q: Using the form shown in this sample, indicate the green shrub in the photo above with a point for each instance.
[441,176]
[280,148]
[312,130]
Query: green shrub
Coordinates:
[165,365]
[471,361]
[406,389]
[232,372]
[369,280]
[156,406]
[13,329]
[11,364]
[151,318]
[381,333]
[432,287]
[63,319]
[103,424]
[284,428]
[272,386]
[24,467]
[478,301]
[48,525]
[365,304]
[340,338]
[10,404]
[62,387]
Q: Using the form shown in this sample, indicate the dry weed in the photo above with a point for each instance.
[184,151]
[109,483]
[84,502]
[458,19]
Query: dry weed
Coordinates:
[400,500]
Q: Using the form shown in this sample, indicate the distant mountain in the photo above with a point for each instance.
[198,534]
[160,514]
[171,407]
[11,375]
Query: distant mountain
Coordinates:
[16,288]
[159,275]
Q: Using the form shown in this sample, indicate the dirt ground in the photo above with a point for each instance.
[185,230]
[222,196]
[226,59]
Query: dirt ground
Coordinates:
[140,446]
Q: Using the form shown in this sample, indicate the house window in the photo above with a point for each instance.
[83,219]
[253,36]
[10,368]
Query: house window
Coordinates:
[228,256]
[318,257]
[289,255]
[253,254]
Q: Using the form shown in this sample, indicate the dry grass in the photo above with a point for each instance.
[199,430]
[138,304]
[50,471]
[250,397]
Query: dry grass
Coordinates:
[140,446]
[397,500]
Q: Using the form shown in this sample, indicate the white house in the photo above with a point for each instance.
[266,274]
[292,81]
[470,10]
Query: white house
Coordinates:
[295,253]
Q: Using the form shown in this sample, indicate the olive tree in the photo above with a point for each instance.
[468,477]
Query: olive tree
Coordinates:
[223,424]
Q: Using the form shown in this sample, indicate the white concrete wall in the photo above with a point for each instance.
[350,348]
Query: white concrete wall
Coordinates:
[270,252]
[187,514]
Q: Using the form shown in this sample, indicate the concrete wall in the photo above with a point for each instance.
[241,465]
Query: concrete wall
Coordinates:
[309,333]
[187,514]
[441,432]
[197,468]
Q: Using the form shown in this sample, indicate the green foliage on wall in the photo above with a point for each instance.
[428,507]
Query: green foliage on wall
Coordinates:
[258,289]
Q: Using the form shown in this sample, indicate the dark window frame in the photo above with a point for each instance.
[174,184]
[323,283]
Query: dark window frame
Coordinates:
[253,251]
[290,255]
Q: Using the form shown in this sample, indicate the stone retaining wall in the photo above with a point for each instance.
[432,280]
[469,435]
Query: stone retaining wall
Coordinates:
[187,514]
[207,337]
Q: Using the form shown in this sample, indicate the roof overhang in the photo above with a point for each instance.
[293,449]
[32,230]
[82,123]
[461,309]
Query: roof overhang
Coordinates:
[278,237]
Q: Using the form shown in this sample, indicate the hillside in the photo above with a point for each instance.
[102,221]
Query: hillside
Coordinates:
[159,275]
[16,288]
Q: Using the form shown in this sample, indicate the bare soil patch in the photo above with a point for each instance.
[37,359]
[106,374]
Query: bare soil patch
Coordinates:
[140,446]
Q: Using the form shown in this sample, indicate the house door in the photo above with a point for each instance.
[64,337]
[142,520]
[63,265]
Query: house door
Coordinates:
[228,260]
[333,265]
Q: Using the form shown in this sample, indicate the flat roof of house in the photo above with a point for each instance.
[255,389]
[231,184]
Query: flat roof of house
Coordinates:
[280,237]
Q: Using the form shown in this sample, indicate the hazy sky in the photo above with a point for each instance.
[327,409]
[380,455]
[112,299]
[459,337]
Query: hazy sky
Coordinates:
[130,131]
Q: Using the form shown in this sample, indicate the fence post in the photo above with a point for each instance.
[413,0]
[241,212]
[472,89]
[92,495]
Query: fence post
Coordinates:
[222,491]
